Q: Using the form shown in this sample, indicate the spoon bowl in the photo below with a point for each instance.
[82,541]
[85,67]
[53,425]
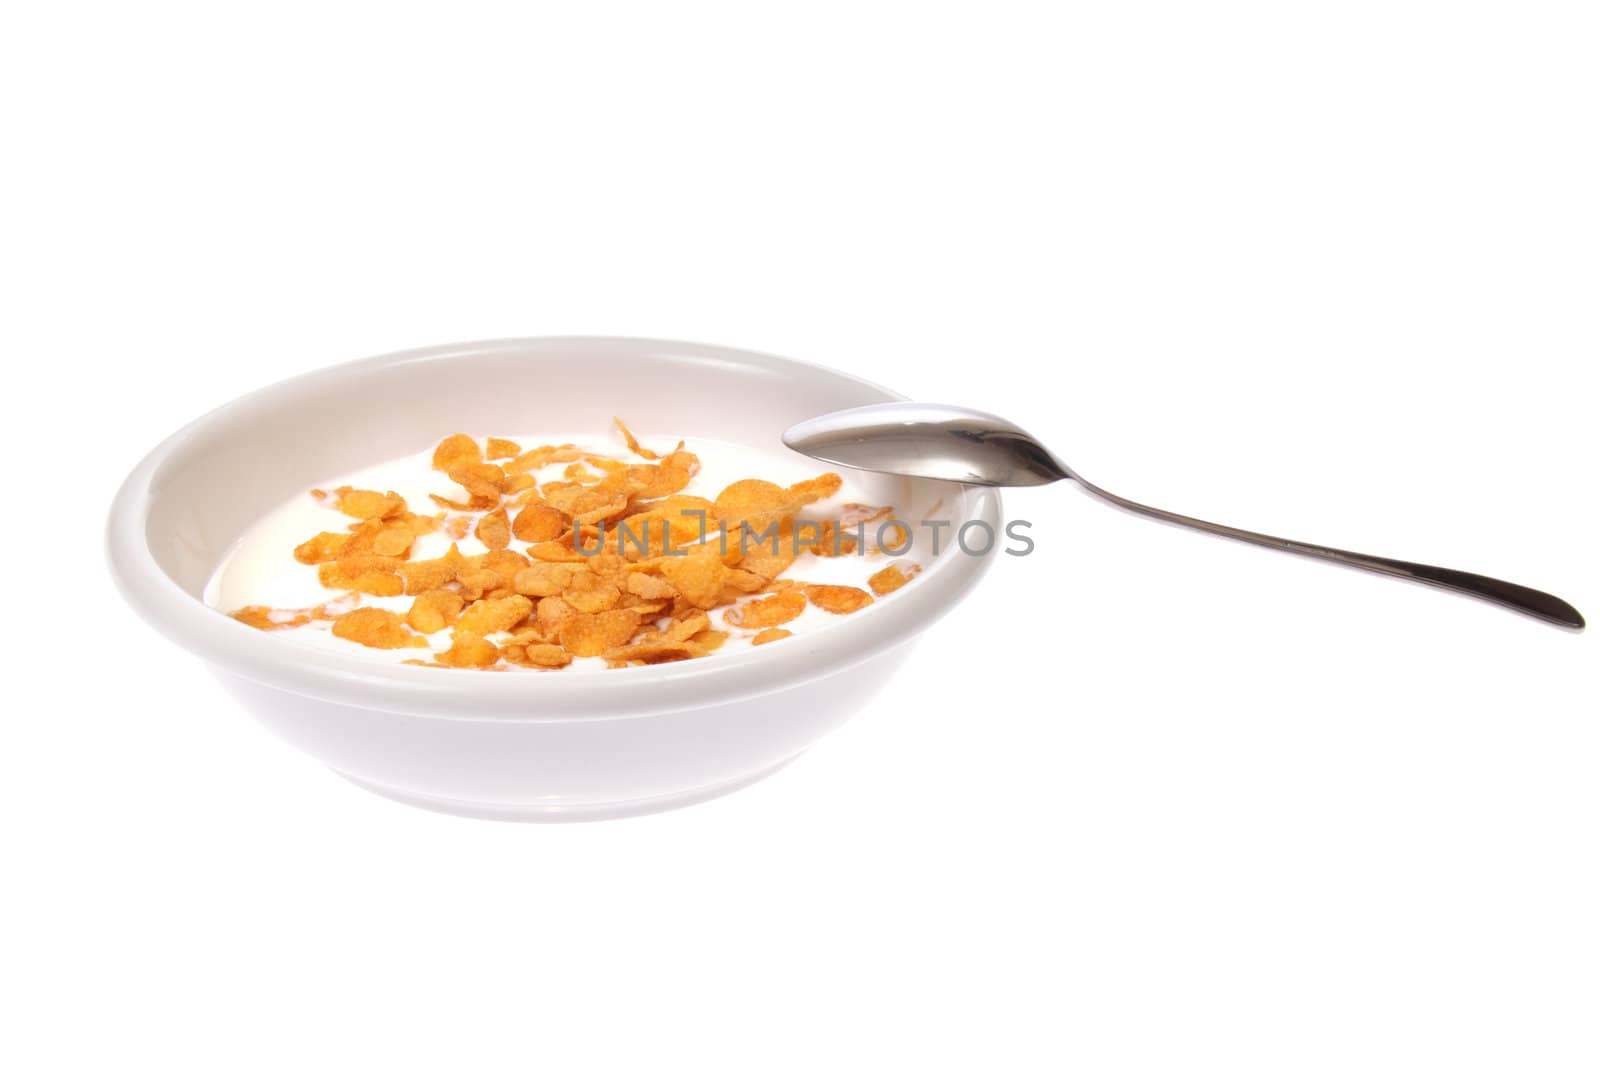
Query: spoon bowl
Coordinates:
[928,441]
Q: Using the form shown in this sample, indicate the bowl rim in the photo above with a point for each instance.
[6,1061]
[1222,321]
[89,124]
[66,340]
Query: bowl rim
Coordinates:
[399,688]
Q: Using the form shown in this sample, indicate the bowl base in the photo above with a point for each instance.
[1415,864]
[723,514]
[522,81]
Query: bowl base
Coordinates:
[620,809]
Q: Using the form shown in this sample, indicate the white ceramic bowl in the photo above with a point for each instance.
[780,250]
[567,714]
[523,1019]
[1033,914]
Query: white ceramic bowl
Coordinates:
[556,745]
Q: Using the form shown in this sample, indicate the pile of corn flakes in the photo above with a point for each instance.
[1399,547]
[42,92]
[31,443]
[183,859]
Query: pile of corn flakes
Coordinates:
[613,560]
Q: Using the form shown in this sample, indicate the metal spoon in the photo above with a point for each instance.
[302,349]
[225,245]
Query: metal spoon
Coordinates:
[960,445]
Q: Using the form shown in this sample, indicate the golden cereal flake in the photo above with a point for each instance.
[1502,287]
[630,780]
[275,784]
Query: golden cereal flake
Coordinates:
[456,450]
[393,542]
[376,628]
[752,501]
[547,657]
[892,577]
[541,578]
[368,503]
[502,448]
[818,488]
[710,640]
[540,522]
[422,575]
[262,617]
[838,599]
[767,612]
[691,622]
[434,610]
[322,548]
[492,616]
[469,650]
[633,442]
[494,529]
[591,593]
[657,651]
[648,586]
[697,578]
[594,635]
[551,613]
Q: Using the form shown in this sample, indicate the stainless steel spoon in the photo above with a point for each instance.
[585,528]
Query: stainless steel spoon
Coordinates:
[960,445]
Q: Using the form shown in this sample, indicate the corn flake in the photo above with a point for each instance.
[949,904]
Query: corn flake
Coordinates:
[594,635]
[494,530]
[697,578]
[469,650]
[768,612]
[540,522]
[494,615]
[838,599]
[434,610]
[501,448]
[376,628]
[892,577]
[456,450]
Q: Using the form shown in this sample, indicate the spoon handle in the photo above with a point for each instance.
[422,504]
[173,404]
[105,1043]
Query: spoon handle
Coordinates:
[1540,605]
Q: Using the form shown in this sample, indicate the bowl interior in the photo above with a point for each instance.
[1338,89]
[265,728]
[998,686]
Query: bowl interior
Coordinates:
[215,478]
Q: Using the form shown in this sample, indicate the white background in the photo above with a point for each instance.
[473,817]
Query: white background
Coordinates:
[1147,798]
